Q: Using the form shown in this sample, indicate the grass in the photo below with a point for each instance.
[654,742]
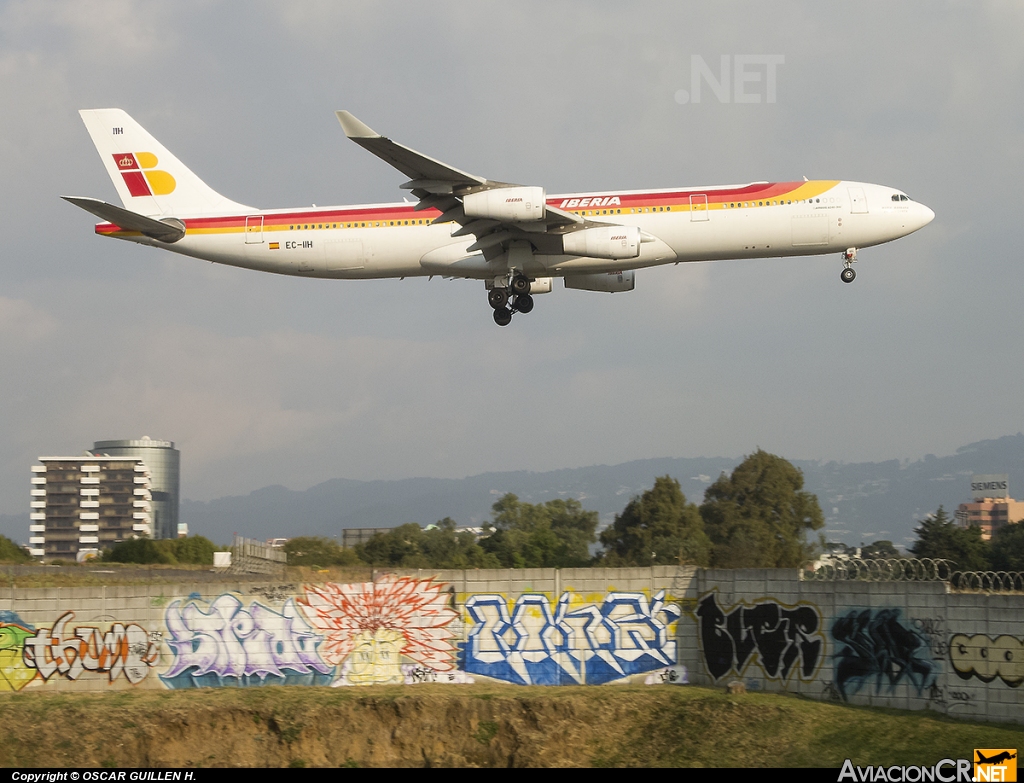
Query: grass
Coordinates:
[617,726]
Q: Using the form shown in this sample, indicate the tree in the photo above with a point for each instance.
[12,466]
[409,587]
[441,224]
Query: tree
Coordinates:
[11,552]
[759,516]
[195,550]
[657,528]
[555,534]
[1007,550]
[318,552]
[939,537]
[880,550]
[438,546]
[138,550]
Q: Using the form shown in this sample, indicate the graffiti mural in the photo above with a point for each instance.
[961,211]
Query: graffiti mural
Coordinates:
[369,628]
[986,658]
[780,639]
[14,674]
[589,644]
[123,649]
[232,645]
[877,647]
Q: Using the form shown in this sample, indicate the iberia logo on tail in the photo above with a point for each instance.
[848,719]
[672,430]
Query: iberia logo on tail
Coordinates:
[137,170]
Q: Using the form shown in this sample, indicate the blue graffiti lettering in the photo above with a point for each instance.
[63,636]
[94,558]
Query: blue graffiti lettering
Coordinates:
[229,645]
[626,635]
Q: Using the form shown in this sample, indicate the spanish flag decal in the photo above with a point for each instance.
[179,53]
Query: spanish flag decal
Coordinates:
[275,245]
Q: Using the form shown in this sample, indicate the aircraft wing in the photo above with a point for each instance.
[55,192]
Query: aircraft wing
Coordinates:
[440,186]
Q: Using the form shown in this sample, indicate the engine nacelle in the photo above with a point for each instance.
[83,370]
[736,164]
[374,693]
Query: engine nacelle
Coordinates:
[611,282]
[542,285]
[613,242]
[506,204]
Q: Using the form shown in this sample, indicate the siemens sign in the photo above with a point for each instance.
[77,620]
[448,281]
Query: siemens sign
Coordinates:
[990,485]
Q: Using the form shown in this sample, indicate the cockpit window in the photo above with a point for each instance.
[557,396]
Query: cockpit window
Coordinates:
[900,197]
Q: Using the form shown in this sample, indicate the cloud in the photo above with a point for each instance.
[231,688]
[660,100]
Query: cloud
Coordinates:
[23,325]
[264,379]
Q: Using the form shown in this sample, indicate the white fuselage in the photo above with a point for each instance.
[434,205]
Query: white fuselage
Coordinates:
[692,224]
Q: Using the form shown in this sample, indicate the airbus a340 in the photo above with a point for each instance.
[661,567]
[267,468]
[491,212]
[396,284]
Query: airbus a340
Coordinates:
[515,238]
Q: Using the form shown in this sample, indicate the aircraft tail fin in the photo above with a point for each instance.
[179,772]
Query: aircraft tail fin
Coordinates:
[147,177]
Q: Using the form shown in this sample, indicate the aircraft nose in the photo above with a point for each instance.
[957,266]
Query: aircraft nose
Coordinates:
[926,215]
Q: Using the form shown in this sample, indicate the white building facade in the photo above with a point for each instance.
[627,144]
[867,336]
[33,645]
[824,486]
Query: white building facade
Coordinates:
[81,505]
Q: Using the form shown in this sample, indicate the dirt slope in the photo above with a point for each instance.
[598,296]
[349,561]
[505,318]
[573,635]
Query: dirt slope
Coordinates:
[480,726]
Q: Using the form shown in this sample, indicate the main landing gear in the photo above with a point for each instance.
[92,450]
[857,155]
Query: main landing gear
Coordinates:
[521,301]
[848,275]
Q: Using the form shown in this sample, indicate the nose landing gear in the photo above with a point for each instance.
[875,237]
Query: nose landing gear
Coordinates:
[848,275]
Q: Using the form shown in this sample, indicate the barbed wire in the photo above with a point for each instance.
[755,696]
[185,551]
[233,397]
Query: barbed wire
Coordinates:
[987,581]
[916,569]
[893,569]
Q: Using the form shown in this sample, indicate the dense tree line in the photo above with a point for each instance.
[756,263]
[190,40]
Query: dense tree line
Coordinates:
[938,536]
[193,550]
[757,517]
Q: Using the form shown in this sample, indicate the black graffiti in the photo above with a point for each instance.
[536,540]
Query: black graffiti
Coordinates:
[931,629]
[780,636]
[878,646]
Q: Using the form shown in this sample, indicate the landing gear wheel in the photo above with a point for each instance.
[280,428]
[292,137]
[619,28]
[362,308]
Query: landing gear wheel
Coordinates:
[522,303]
[502,317]
[520,285]
[498,298]
[848,275]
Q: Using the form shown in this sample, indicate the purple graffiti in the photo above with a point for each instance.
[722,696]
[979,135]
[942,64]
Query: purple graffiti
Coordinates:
[231,645]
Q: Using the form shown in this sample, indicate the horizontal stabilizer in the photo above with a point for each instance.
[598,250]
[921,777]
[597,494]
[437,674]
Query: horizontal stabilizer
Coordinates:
[167,230]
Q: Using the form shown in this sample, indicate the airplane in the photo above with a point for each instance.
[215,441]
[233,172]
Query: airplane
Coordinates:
[996,759]
[515,238]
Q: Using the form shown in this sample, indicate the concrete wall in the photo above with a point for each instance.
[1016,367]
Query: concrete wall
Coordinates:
[909,645]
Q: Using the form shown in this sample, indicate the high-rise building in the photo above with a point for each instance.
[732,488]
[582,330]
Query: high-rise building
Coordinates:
[164,463]
[81,505]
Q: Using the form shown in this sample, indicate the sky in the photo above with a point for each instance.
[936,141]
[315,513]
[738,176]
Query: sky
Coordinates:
[263,379]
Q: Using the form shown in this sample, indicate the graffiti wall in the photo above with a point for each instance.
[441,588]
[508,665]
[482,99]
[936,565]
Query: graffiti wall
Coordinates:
[908,645]
[902,644]
[396,630]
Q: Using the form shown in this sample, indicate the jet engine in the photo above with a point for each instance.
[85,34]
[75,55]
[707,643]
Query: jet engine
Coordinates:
[613,242]
[519,204]
[611,282]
